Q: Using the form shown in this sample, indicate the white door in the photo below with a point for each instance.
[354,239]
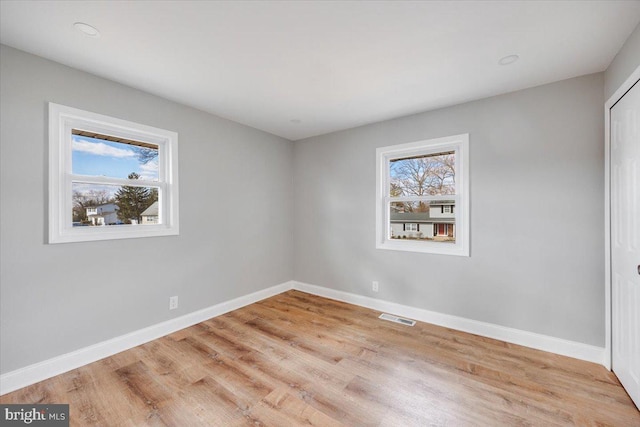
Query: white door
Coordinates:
[625,240]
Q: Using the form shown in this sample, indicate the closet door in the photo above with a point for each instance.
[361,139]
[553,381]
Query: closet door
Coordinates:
[625,240]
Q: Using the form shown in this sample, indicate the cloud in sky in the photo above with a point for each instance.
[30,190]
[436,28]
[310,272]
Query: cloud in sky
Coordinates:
[151,166]
[149,170]
[101,149]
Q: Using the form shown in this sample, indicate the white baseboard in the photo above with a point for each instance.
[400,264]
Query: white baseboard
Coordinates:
[516,336]
[32,374]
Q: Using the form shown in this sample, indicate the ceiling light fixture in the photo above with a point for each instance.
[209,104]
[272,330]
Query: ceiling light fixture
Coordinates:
[509,59]
[87,29]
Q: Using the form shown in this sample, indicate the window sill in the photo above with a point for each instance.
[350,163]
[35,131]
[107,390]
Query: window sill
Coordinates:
[439,248]
[110,232]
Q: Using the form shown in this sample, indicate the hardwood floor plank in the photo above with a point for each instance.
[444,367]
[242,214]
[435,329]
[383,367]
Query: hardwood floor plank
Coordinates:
[280,408]
[98,397]
[143,384]
[297,359]
[300,365]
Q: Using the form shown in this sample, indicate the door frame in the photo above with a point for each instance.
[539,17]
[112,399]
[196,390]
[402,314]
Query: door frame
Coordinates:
[618,94]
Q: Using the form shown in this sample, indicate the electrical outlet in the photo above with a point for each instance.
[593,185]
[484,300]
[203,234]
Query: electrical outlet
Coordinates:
[374,286]
[173,303]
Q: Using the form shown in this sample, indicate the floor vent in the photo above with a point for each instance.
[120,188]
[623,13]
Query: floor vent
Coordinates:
[392,318]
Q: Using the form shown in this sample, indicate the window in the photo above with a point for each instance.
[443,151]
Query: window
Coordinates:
[109,178]
[422,202]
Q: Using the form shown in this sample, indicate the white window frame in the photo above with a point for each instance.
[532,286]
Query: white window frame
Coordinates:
[62,120]
[456,143]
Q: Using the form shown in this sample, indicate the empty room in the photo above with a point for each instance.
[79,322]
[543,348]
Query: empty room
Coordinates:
[327,213]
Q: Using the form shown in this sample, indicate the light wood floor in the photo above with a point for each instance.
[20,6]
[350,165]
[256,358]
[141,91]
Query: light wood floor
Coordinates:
[298,359]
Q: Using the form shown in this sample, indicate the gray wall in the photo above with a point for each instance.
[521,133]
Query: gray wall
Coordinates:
[625,63]
[536,165]
[235,219]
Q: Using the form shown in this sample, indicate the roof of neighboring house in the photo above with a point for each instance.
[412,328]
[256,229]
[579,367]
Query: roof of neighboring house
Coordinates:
[99,206]
[420,217]
[151,210]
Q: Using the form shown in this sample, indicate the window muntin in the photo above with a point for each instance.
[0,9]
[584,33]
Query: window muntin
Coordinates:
[104,173]
[424,183]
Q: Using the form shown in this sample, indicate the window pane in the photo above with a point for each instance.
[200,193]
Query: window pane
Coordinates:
[104,205]
[423,221]
[101,157]
[427,175]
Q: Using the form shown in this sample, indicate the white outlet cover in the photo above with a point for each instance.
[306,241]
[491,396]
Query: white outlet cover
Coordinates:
[173,303]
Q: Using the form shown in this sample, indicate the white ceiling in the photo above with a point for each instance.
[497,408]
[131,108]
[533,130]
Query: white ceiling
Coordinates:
[330,65]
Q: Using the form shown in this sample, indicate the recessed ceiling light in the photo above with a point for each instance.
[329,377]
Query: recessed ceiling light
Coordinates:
[509,59]
[87,29]
[296,121]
